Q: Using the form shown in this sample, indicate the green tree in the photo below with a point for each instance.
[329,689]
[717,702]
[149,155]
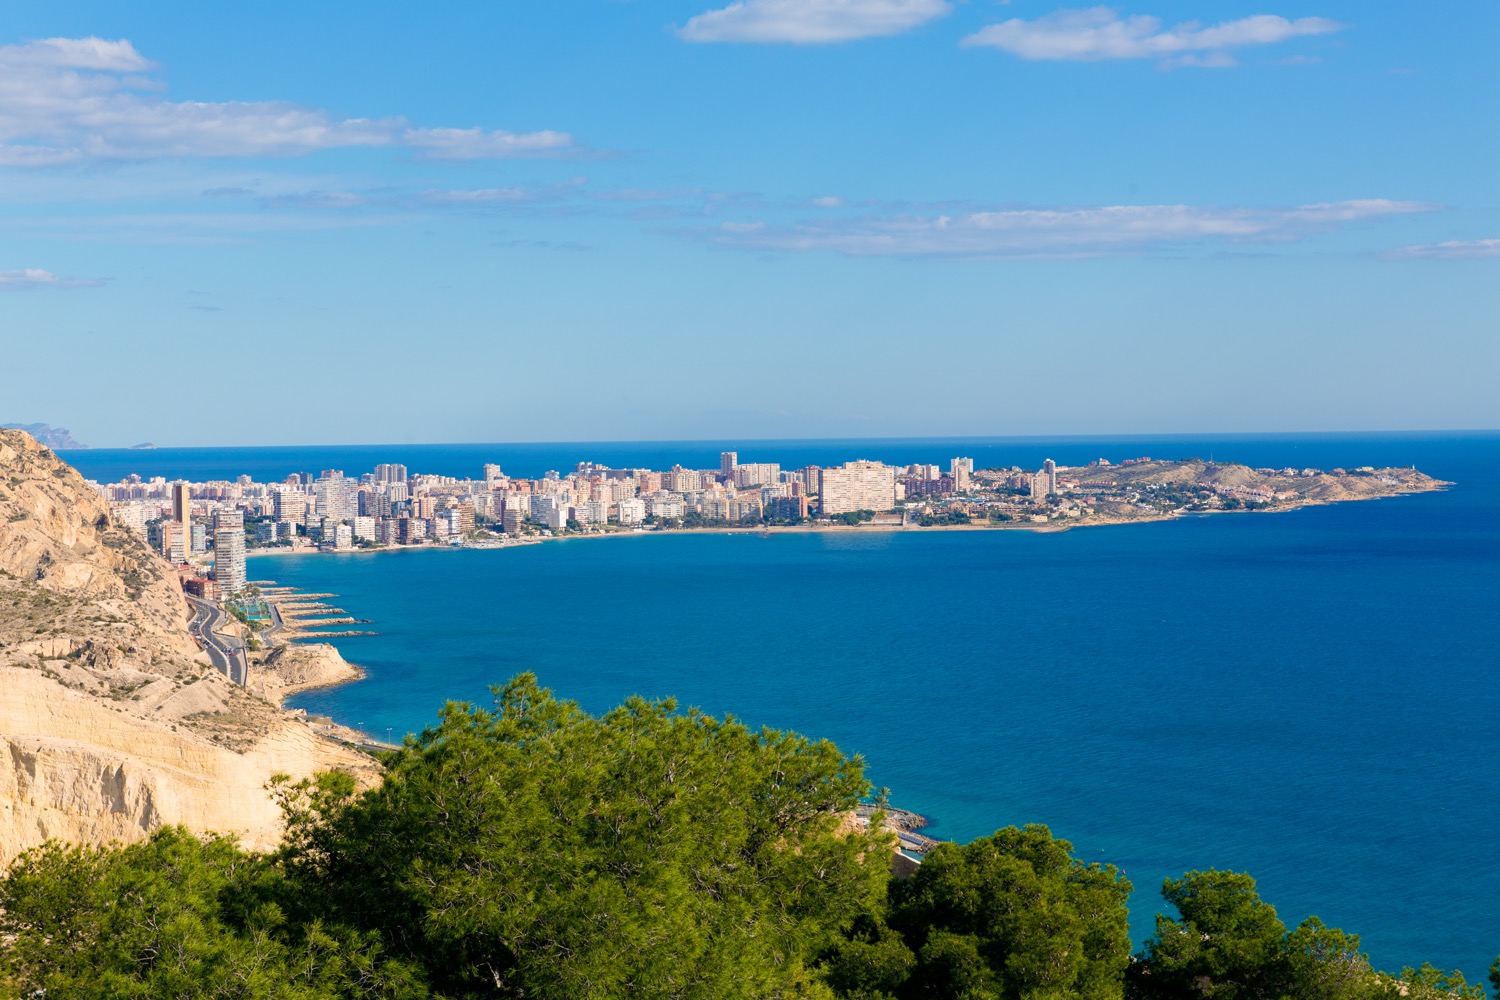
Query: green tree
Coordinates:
[1227,944]
[176,917]
[539,851]
[1014,915]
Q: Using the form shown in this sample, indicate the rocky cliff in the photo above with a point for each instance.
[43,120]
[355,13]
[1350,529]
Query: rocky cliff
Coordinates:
[111,721]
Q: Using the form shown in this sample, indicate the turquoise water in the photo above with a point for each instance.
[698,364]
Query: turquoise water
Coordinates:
[1307,696]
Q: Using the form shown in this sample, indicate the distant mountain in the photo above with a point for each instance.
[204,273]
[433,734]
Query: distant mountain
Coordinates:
[56,438]
[143,446]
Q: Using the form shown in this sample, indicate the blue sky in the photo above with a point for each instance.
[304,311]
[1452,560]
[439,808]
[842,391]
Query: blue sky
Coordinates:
[298,223]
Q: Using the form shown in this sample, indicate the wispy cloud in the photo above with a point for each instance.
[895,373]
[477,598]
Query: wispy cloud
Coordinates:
[1453,250]
[477,196]
[810,22]
[1100,33]
[70,100]
[1072,232]
[32,278]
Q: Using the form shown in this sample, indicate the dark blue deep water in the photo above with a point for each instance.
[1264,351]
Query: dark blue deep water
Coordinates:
[1307,696]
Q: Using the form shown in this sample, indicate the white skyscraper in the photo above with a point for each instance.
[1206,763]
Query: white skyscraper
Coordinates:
[229,551]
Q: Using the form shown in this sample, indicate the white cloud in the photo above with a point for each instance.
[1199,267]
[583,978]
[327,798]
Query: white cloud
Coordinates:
[478,144]
[69,100]
[810,22]
[1100,33]
[32,278]
[1070,232]
[476,196]
[1454,250]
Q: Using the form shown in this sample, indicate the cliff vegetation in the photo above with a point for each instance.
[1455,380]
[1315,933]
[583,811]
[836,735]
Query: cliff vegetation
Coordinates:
[536,851]
[112,723]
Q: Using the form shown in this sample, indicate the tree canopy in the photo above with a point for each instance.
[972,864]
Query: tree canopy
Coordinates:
[538,850]
[533,850]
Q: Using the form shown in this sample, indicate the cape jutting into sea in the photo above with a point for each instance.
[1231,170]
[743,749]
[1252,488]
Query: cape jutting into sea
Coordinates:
[1308,696]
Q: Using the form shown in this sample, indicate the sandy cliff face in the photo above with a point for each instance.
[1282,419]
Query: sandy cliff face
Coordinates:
[111,722]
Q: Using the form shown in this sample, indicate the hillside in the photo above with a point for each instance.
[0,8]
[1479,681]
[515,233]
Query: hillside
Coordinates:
[111,722]
[56,438]
[1309,486]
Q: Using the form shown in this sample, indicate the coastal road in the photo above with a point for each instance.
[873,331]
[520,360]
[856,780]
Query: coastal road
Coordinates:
[227,654]
[276,623]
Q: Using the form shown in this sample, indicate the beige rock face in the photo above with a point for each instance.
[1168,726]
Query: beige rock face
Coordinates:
[302,667]
[111,722]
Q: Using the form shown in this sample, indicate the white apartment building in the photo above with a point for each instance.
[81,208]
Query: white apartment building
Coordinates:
[860,485]
[757,474]
[962,471]
[540,505]
[663,506]
[630,511]
[229,551]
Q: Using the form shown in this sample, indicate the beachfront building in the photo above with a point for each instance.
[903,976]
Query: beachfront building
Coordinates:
[630,511]
[665,507]
[860,485]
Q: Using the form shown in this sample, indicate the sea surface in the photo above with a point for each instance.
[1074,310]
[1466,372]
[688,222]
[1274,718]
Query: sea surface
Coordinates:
[1307,696]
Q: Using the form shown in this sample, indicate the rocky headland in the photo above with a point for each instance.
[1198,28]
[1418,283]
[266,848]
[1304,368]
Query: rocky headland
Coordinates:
[112,723]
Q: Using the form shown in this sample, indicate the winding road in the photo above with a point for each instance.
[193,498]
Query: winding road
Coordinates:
[227,653]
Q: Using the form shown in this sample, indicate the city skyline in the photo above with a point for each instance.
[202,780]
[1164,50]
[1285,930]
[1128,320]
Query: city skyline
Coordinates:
[759,220]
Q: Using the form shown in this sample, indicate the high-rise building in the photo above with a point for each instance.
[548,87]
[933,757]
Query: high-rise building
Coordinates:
[182,503]
[492,473]
[727,461]
[541,505]
[386,473]
[174,541]
[757,474]
[229,551]
[680,480]
[856,486]
[1044,482]
[334,496]
[961,470]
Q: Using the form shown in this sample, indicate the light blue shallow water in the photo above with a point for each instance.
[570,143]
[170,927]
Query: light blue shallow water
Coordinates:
[1307,696]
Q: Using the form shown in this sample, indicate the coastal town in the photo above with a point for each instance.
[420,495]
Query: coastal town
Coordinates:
[208,529]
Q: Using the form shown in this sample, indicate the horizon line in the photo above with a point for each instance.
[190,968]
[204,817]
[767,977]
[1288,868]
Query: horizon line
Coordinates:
[1137,436]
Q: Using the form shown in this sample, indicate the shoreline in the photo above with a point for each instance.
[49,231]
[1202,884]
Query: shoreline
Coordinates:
[311,640]
[1055,526]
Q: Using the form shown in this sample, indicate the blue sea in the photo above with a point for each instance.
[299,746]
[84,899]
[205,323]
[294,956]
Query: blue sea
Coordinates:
[1307,696]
